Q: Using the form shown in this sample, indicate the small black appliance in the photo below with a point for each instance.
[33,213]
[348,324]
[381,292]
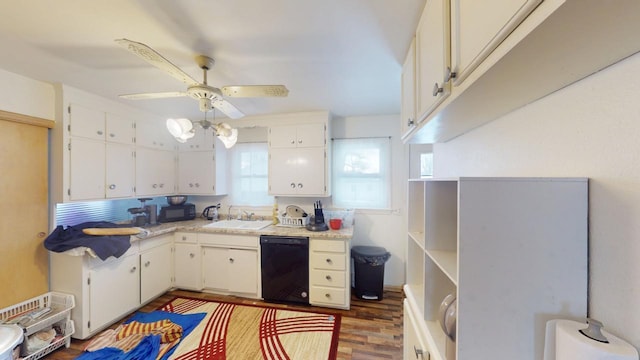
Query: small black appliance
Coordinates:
[177,213]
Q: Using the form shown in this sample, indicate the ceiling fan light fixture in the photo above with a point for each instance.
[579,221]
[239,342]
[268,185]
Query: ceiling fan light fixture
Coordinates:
[226,134]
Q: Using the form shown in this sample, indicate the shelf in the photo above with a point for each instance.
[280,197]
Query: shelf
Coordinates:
[447,261]
[436,339]
[418,238]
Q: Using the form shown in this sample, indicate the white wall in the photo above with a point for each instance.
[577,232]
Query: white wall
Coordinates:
[590,129]
[22,95]
[381,227]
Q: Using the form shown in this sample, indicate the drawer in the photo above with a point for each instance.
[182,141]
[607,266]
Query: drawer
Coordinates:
[150,243]
[328,261]
[319,294]
[337,246]
[331,278]
[95,262]
[232,241]
[186,238]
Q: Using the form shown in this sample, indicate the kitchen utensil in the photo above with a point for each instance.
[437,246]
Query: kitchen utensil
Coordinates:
[176,199]
[335,224]
[319,215]
[295,211]
[211,212]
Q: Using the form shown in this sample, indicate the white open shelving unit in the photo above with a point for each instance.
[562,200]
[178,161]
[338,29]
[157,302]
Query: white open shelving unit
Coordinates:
[513,250]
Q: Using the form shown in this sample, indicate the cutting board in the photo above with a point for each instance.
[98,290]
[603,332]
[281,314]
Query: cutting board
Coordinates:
[112,231]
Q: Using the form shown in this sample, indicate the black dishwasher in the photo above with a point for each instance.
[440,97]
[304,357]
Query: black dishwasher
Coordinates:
[285,268]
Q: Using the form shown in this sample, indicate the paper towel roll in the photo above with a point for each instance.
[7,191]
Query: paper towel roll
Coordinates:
[570,344]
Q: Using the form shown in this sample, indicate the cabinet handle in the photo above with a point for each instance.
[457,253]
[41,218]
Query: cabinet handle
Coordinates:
[329,261]
[184,238]
[448,75]
[112,135]
[112,186]
[133,269]
[231,260]
[437,89]
[418,352]
[328,277]
[197,185]
[299,185]
[99,132]
[154,186]
[300,141]
[192,255]
[293,185]
[161,185]
[327,295]
[293,142]
[410,122]
[147,263]
[190,185]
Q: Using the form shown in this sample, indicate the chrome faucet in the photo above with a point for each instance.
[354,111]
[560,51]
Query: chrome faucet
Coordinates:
[229,212]
[249,215]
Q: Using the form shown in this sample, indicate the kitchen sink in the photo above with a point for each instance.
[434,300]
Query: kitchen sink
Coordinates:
[240,224]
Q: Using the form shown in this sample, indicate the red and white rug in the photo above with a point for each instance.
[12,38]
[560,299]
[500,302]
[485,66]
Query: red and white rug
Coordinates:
[233,331]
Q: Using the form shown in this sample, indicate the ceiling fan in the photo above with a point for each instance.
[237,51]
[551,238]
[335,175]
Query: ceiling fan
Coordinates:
[209,97]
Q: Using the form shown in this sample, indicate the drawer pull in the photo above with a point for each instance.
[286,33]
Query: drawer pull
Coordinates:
[231,260]
[328,277]
[147,263]
[184,238]
[133,269]
[192,255]
[327,295]
[419,352]
[329,261]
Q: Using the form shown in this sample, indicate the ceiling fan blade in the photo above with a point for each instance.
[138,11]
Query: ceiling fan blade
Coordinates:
[227,108]
[154,58]
[255,91]
[159,95]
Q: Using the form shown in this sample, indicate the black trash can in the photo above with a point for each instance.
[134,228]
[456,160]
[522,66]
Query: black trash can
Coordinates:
[369,271]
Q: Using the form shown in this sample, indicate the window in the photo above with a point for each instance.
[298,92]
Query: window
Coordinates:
[361,173]
[249,182]
[426,165]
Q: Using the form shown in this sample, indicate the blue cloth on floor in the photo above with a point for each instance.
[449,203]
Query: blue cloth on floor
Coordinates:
[187,321]
[147,347]
[61,239]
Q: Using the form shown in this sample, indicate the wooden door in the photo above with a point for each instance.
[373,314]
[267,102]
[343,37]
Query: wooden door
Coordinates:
[24,219]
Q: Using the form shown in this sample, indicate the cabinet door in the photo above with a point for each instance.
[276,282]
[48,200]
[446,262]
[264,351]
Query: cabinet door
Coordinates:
[282,136]
[187,265]
[432,56]
[87,169]
[478,27]
[297,172]
[120,170]
[155,272]
[243,271]
[86,122]
[414,347]
[114,290]
[154,134]
[310,135]
[215,268]
[119,129]
[196,172]
[408,110]
[155,172]
[310,170]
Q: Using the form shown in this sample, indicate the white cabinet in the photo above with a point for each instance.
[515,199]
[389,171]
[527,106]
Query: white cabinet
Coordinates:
[114,291]
[329,273]
[298,161]
[153,133]
[478,27]
[230,264]
[187,262]
[408,91]
[105,291]
[155,172]
[413,343]
[156,267]
[202,169]
[432,57]
[101,155]
[512,249]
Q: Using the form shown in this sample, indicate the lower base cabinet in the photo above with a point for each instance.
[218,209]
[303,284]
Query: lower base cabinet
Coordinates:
[413,346]
[187,264]
[230,270]
[329,273]
[105,291]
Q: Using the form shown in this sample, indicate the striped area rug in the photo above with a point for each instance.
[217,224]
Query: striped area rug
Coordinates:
[246,332]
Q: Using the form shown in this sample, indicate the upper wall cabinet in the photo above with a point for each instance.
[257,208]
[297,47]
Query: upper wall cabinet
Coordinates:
[506,54]
[408,109]
[432,57]
[477,31]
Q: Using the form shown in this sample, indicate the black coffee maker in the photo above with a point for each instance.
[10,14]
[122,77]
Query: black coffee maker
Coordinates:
[316,223]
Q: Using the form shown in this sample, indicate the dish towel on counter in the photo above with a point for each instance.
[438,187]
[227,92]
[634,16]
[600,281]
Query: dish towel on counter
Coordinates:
[61,240]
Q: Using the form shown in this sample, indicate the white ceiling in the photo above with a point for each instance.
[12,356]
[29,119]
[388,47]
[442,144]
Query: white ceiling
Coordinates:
[344,56]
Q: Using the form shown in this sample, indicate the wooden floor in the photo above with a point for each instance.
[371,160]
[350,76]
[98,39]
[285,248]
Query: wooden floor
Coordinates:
[369,330]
